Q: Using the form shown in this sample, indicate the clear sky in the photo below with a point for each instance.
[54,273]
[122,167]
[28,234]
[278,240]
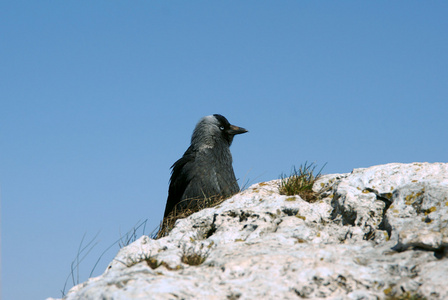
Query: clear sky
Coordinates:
[99,98]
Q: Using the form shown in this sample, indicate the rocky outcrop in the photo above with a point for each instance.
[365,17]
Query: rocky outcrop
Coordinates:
[378,232]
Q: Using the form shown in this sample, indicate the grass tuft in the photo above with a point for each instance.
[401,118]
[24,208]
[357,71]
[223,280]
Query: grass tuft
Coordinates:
[180,212]
[193,257]
[151,261]
[300,182]
[406,296]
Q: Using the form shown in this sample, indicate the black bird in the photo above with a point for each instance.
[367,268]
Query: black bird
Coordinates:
[205,170]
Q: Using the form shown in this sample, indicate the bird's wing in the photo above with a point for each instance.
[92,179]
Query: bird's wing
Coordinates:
[180,179]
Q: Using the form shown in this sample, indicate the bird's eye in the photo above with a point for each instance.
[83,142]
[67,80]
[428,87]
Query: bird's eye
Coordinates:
[221,127]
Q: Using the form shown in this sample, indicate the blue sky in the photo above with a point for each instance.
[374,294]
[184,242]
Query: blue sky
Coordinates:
[99,98]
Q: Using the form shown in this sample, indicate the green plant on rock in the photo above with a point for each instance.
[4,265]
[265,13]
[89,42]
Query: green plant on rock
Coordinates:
[193,257]
[300,182]
[406,296]
[142,257]
[151,261]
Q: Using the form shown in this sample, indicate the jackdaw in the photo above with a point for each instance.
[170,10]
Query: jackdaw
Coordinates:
[205,170]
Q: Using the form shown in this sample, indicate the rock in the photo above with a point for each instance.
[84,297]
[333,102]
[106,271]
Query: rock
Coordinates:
[378,232]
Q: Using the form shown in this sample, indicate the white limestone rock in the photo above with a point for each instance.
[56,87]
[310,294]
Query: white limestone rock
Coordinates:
[379,231]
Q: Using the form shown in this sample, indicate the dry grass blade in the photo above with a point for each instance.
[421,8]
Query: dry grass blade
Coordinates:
[301,182]
[132,235]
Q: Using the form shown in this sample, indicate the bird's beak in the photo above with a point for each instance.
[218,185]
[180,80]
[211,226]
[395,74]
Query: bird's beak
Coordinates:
[236,130]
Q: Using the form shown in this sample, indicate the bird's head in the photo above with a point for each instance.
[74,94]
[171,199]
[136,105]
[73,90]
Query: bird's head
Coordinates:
[212,129]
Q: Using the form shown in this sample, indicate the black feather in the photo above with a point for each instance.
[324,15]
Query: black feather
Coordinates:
[205,170]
